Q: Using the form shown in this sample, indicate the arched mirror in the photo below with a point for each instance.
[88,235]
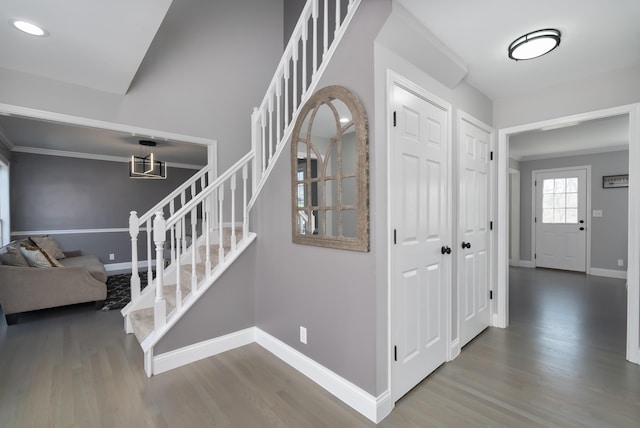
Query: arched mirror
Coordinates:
[330,172]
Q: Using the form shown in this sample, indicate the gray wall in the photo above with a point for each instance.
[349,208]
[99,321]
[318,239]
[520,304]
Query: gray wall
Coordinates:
[187,82]
[612,89]
[609,233]
[228,306]
[61,193]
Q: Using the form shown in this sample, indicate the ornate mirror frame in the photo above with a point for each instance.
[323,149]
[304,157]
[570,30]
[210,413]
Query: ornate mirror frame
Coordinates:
[329,176]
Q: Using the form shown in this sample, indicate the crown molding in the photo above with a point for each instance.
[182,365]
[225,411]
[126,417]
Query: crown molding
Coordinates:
[91,156]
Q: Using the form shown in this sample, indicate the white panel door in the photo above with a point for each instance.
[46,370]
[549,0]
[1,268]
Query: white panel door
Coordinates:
[561,209]
[473,231]
[419,212]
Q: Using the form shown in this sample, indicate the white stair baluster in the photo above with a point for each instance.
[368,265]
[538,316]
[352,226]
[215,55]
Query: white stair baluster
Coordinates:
[278,111]
[233,212]
[160,306]
[207,236]
[305,38]
[286,94]
[172,209]
[245,214]
[335,30]
[294,59]
[149,250]
[220,225]
[271,148]
[314,14]
[256,146]
[134,230]
[194,238]
[179,231]
[325,32]
[176,229]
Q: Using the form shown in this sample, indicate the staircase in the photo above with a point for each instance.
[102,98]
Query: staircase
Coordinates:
[202,227]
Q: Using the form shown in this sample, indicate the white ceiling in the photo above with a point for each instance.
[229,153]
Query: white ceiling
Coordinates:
[597,36]
[92,43]
[101,44]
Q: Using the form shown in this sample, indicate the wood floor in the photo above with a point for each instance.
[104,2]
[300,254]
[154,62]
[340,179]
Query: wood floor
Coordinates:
[559,364]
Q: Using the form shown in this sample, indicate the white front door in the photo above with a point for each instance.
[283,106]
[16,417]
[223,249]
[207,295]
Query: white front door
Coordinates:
[560,219]
[421,263]
[473,230]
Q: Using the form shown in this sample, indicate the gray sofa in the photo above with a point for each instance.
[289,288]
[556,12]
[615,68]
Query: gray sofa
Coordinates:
[75,279]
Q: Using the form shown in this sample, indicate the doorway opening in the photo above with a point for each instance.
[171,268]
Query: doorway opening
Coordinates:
[632,112]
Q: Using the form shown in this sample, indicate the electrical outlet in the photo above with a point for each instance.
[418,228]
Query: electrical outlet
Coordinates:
[112,256]
[620,262]
[303,335]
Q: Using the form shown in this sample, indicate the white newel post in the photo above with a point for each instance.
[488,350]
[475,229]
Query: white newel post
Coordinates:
[160,307]
[134,229]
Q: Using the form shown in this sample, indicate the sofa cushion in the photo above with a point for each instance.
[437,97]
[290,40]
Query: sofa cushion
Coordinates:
[37,257]
[10,255]
[92,263]
[48,244]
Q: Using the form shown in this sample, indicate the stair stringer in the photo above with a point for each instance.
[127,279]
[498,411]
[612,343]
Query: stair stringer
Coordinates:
[154,337]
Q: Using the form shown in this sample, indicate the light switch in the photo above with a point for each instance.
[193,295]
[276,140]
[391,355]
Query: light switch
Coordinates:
[597,213]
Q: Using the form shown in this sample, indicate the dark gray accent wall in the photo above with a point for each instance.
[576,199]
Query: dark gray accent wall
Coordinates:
[292,10]
[608,233]
[333,293]
[61,193]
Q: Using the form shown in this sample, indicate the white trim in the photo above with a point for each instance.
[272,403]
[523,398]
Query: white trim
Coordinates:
[526,264]
[454,349]
[4,140]
[92,123]
[91,156]
[633,270]
[573,153]
[5,201]
[72,231]
[514,224]
[534,201]
[198,351]
[609,273]
[110,267]
[373,408]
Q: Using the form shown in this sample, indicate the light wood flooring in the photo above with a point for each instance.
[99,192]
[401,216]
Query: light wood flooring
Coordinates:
[559,364]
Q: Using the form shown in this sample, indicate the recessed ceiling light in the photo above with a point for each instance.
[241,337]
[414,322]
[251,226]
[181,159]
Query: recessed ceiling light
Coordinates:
[534,44]
[344,119]
[29,27]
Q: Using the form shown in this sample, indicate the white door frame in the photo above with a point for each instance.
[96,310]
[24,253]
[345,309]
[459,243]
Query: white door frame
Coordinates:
[587,214]
[514,222]
[633,269]
[393,79]
[5,211]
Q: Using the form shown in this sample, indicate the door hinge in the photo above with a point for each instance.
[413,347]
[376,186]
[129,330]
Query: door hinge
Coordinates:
[535,219]
[394,236]
[491,156]
[535,183]
[490,225]
[394,118]
[490,294]
[535,256]
[395,353]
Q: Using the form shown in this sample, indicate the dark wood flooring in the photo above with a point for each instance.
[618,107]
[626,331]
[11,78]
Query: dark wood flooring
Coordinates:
[561,363]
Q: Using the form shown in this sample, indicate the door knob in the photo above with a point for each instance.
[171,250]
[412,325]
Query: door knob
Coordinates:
[582,228]
[466,245]
[445,250]
[581,221]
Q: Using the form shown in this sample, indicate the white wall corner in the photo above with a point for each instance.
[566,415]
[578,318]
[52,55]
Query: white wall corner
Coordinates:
[373,408]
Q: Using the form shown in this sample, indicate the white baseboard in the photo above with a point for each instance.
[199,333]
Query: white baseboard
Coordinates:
[111,267]
[373,408]
[454,349]
[526,264]
[198,351]
[609,273]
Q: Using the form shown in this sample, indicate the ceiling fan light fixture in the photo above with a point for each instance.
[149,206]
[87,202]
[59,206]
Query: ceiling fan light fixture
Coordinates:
[534,44]
[29,27]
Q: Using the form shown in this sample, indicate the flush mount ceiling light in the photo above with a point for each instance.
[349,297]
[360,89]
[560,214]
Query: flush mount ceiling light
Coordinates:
[29,27]
[146,166]
[534,44]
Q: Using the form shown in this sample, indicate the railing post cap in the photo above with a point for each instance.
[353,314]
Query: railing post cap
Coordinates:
[134,213]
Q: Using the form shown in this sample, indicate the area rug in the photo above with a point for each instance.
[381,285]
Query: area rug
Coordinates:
[119,290]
